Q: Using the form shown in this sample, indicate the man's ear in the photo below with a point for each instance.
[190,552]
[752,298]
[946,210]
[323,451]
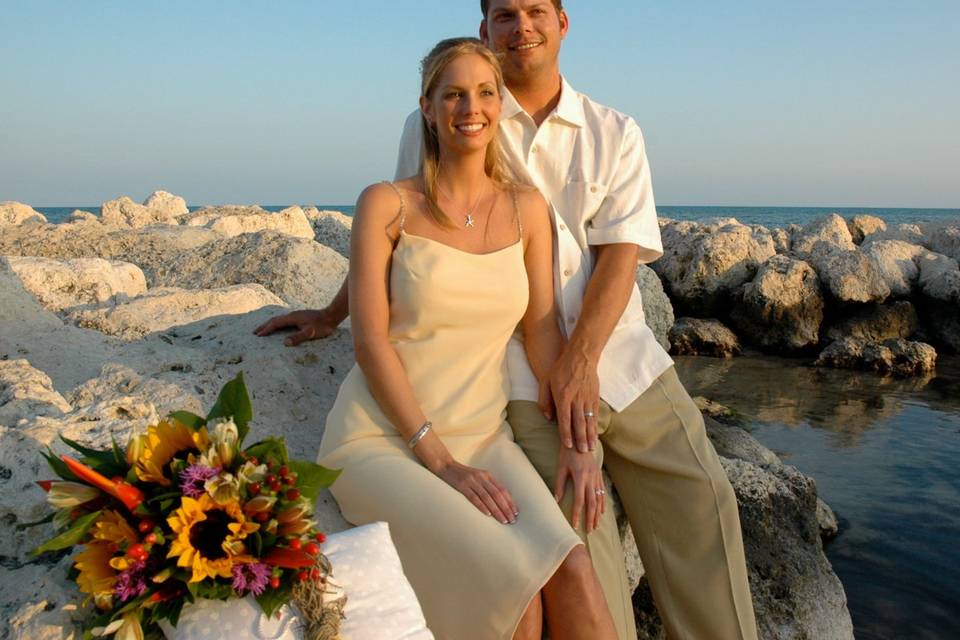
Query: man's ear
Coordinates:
[564,23]
[484,32]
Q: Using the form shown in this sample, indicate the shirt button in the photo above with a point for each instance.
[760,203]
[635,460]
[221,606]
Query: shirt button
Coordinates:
[534,149]
[572,319]
[567,272]
[563,227]
[593,189]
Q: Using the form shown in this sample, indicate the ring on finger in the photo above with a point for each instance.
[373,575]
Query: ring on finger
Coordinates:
[589,414]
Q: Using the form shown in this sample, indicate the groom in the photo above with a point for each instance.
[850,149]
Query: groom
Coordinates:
[614,388]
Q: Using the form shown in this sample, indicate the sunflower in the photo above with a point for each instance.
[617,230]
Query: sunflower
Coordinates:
[97,577]
[209,537]
[161,443]
[113,529]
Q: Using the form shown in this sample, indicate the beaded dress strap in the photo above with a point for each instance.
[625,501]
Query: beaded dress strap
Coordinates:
[516,211]
[402,213]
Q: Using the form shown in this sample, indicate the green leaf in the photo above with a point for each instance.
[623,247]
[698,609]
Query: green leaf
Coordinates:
[269,450]
[27,525]
[118,455]
[71,536]
[312,477]
[101,461]
[272,599]
[256,544]
[192,420]
[58,466]
[234,401]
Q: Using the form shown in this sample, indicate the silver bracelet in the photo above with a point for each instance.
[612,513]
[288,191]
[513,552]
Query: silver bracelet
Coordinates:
[418,436]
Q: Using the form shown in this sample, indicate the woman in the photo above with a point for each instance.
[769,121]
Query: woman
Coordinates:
[444,266]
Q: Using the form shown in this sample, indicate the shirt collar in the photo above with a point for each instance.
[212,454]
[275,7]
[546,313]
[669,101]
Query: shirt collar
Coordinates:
[569,109]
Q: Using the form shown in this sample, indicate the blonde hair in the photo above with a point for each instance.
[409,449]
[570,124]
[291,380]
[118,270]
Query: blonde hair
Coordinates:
[431,68]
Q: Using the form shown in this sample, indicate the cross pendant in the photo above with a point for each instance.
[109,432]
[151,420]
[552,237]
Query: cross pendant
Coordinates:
[469,222]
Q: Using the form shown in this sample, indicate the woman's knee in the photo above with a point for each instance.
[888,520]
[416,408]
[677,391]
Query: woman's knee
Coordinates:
[577,568]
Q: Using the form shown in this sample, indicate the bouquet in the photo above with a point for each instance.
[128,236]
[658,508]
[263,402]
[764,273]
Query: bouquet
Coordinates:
[186,512]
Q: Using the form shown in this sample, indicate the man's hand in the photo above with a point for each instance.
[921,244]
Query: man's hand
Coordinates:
[310,324]
[575,386]
[588,488]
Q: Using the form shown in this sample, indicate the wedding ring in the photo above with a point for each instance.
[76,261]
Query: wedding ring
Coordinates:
[588,414]
[600,492]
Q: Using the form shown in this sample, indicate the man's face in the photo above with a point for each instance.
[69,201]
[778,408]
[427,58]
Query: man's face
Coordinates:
[527,33]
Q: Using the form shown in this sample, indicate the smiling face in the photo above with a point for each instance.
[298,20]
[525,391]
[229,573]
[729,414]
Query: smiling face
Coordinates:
[528,34]
[463,105]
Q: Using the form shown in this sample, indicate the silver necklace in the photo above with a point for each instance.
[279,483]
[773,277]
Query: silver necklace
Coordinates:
[468,216]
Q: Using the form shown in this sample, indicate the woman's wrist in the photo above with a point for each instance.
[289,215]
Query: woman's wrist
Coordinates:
[432,453]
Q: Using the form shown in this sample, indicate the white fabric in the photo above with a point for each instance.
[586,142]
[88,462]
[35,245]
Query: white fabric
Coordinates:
[381,605]
[590,163]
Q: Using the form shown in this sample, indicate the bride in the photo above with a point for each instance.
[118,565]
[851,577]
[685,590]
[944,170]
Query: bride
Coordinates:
[444,267]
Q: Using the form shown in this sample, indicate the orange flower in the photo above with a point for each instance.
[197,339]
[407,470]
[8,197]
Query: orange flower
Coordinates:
[126,493]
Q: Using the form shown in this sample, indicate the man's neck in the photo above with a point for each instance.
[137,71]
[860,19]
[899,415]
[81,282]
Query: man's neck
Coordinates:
[538,96]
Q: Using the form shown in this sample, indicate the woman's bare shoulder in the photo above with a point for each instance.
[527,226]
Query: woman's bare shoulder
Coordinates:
[379,203]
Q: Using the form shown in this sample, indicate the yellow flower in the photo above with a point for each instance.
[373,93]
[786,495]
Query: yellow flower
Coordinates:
[224,444]
[64,495]
[126,627]
[223,488]
[209,537]
[96,577]
[112,529]
[161,443]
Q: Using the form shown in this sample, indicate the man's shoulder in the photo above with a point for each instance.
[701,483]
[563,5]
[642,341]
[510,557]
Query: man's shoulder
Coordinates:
[604,117]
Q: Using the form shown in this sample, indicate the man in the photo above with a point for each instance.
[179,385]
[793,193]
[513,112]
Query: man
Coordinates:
[614,388]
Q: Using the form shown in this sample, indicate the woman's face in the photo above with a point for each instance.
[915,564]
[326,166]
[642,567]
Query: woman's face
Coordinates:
[465,105]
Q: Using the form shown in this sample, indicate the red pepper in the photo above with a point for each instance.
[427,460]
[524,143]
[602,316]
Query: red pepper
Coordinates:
[126,493]
[289,558]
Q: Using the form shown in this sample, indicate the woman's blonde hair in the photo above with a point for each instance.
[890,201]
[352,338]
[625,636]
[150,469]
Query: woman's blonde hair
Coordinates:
[431,68]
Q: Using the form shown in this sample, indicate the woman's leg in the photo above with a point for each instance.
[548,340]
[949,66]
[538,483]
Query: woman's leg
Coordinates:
[574,601]
[531,624]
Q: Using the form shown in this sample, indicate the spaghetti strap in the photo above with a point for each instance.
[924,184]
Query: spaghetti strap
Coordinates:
[402,213]
[516,211]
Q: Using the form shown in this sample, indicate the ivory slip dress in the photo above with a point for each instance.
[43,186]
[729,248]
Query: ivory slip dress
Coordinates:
[451,315]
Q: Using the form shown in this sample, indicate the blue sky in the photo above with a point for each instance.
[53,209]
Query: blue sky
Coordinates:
[742,103]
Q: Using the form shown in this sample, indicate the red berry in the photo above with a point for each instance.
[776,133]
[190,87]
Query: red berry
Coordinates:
[254,488]
[289,479]
[253,460]
[284,471]
[316,574]
[150,538]
[293,494]
[321,537]
[137,552]
[275,582]
[312,548]
[145,525]
[271,479]
[275,487]
[262,516]
[302,576]
[294,544]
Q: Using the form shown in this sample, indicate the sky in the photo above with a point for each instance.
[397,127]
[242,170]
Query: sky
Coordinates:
[842,103]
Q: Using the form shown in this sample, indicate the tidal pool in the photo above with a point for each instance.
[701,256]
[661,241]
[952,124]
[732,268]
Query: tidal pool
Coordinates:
[885,454]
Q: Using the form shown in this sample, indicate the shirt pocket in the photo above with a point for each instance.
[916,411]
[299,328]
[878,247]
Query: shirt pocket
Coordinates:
[579,202]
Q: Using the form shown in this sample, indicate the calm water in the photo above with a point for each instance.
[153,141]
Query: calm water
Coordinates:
[768,216]
[886,456]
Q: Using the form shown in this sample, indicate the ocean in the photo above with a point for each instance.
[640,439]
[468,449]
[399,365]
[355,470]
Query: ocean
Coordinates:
[767,216]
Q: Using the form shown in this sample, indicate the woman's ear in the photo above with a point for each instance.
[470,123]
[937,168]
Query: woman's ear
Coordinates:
[426,108]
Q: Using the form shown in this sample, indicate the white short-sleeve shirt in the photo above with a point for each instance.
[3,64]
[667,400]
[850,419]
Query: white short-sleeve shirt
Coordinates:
[590,164]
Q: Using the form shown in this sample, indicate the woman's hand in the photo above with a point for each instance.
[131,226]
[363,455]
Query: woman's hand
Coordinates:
[588,488]
[482,489]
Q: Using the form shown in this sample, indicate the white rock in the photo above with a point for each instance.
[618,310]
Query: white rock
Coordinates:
[897,261]
[939,277]
[26,392]
[124,212]
[16,213]
[82,281]
[944,238]
[823,235]
[81,216]
[233,221]
[909,233]
[166,307]
[861,226]
[171,205]
[331,229]
[850,276]
[657,309]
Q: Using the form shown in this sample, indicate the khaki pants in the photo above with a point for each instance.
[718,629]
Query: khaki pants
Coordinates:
[681,508]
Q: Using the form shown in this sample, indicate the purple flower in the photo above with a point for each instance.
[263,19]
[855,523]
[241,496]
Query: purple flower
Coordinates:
[193,478]
[132,581]
[252,577]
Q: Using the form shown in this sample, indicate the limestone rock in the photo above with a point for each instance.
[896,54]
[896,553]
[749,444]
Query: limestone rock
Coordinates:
[827,521]
[945,239]
[939,277]
[167,203]
[332,229]
[657,309]
[16,213]
[702,264]
[851,276]
[878,323]
[909,233]
[861,226]
[897,261]
[26,392]
[823,235]
[166,307]
[781,308]
[895,356]
[781,240]
[124,212]
[302,272]
[81,216]
[694,336]
[82,281]
[234,220]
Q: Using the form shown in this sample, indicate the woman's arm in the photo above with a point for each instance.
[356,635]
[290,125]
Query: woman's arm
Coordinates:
[543,344]
[375,230]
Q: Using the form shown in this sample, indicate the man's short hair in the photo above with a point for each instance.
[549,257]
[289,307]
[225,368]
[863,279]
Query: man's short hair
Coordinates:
[485,6]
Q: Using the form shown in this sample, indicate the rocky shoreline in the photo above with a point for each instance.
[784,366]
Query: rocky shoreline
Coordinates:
[109,320]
